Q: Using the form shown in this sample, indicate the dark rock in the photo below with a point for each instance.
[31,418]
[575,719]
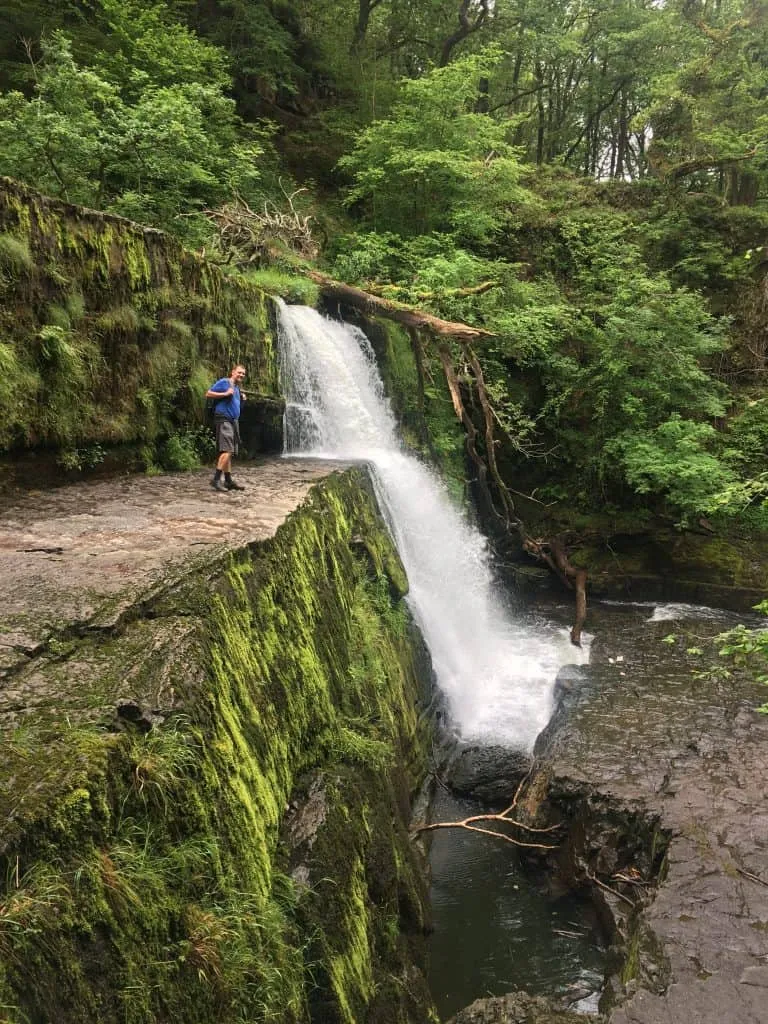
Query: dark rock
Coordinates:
[661,778]
[132,712]
[302,824]
[518,1008]
[568,684]
[490,774]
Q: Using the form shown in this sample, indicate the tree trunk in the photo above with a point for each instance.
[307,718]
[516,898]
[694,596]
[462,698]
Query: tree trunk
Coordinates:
[466,28]
[364,11]
[622,141]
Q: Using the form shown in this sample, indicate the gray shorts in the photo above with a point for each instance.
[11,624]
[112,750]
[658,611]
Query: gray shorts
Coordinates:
[227,435]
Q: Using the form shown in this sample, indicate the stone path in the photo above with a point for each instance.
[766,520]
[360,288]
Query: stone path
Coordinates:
[76,555]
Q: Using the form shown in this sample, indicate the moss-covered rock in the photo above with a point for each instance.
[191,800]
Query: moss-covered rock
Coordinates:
[111,332]
[144,874]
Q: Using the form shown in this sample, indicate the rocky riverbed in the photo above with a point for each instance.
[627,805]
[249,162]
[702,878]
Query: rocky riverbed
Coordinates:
[659,776]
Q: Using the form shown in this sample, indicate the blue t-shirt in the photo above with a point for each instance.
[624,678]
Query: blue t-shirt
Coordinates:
[229,407]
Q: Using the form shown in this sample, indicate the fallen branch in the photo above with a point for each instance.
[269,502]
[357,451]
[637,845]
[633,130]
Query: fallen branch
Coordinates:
[246,235]
[607,888]
[458,293]
[469,823]
[397,311]
[748,874]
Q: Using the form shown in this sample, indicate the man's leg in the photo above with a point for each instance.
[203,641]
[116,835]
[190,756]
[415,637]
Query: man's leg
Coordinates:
[229,483]
[225,444]
[223,466]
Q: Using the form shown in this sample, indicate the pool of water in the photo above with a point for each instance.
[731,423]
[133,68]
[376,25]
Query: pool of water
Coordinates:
[496,930]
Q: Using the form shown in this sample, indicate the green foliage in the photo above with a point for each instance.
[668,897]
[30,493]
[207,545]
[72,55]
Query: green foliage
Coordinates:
[179,452]
[708,112]
[674,460]
[435,164]
[290,287]
[121,319]
[14,253]
[79,459]
[748,649]
[146,131]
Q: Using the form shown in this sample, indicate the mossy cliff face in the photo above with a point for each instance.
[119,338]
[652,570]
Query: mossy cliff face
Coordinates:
[111,333]
[247,858]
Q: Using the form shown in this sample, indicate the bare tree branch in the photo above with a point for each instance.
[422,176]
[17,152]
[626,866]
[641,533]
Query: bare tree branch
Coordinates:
[246,235]
[467,27]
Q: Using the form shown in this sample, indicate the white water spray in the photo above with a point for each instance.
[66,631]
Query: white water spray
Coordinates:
[497,675]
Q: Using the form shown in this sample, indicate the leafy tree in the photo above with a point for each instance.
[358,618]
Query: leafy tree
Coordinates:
[435,164]
[708,116]
[133,135]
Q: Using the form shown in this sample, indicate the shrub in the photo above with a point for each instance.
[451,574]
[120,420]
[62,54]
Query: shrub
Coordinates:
[179,452]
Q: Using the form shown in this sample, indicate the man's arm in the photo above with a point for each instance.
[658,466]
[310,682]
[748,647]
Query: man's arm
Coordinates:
[220,390]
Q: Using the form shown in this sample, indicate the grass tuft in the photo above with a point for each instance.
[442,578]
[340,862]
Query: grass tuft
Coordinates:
[15,253]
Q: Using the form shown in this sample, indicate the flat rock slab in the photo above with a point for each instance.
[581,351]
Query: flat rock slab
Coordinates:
[76,556]
[692,753]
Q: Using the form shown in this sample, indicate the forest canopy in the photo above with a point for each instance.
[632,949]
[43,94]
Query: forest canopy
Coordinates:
[603,163]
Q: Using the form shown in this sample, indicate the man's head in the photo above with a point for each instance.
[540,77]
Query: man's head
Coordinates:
[238,374]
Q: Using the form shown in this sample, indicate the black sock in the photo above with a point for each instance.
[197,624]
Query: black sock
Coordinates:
[217,475]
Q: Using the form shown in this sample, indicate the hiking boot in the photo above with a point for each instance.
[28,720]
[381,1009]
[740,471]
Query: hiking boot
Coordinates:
[218,485]
[232,485]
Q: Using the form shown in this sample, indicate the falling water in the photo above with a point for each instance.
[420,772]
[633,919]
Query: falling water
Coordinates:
[497,674]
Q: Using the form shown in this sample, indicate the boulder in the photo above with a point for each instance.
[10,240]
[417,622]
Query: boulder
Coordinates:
[491,774]
[517,1008]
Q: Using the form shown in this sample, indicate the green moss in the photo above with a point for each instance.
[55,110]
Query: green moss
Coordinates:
[145,295]
[351,970]
[145,876]
[14,253]
[421,400]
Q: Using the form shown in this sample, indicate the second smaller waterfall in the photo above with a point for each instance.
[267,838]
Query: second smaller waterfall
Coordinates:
[497,673]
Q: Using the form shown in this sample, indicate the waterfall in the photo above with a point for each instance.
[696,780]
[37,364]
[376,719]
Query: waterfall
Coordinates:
[496,673]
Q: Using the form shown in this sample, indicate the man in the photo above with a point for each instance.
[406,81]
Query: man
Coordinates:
[226,415]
